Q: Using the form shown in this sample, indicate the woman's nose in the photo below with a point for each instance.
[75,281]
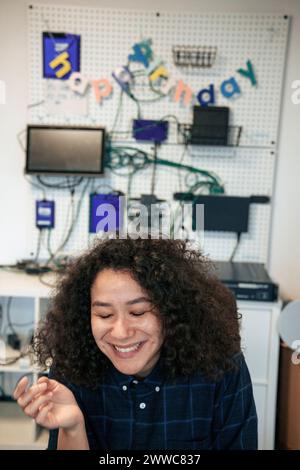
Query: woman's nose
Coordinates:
[122,329]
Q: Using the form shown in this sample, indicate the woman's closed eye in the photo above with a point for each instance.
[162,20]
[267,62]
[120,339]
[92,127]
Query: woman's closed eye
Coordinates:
[109,315]
[137,314]
[103,315]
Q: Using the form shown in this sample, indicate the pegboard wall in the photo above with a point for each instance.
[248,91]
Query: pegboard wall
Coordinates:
[107,37]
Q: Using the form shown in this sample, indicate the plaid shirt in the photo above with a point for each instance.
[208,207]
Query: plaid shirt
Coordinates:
[190,413]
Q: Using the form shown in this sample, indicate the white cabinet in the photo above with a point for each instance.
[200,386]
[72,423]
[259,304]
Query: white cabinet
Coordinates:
[260,344]
[29,302]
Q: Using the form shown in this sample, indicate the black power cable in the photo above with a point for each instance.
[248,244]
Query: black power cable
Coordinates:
[238,239]
[66,184]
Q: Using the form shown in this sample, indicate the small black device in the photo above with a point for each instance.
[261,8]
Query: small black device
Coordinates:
[14,341]
[35,268]
[64,150]
[210,125]
[223,213]
[247,281]
[155,210]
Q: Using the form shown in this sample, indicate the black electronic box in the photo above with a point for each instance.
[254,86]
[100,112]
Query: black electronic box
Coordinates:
[247,281]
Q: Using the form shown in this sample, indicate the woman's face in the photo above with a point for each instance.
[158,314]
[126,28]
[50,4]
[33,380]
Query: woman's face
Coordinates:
[125,326]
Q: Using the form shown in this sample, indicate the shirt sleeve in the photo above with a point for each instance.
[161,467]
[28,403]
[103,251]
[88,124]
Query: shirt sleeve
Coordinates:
[235,418]
[53,434]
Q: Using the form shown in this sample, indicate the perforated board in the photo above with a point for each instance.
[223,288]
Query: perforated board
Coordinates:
[107,37]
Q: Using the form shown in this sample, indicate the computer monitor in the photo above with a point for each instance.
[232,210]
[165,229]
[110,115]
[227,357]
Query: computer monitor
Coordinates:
[64,150]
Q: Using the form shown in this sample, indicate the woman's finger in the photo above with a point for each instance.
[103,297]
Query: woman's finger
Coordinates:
[42,415]
[51,384]
[20,387]
[33,408]
[44,404]
[27,397]
[42,379]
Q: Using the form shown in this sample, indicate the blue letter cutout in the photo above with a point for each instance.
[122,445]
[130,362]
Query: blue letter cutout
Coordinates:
[142,52]
[210,91]
[229,87]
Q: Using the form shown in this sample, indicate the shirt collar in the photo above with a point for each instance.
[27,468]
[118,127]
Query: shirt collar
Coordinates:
[155,378]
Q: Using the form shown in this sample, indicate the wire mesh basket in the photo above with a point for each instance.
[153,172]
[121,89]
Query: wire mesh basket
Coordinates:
[194,56]
[209,135]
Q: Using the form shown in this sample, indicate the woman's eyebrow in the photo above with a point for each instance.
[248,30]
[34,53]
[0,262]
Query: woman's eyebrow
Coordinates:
[138,300]
[99,303]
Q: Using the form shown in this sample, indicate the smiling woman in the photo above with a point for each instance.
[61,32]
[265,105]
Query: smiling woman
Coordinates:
[145,351]
[125,325]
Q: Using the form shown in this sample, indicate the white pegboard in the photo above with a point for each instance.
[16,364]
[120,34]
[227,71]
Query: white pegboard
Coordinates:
[107,37]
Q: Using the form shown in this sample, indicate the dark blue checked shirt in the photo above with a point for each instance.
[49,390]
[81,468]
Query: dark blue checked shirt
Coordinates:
[154,414]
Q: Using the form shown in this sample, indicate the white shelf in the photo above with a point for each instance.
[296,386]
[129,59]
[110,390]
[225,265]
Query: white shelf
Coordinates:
[40,444]
[19,284]
[18,431]
[15,368]
[260,343]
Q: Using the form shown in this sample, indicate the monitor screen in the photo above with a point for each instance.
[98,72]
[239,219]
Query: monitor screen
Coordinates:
[63,150]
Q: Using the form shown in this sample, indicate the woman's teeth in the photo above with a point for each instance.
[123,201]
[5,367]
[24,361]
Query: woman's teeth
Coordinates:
[125,350]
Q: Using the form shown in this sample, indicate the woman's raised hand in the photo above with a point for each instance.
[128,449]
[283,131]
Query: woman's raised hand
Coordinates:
[50,403]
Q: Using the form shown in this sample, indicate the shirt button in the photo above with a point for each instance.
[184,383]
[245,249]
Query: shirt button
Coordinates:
[142,406]
[135,382]
[124,388]
[157,389]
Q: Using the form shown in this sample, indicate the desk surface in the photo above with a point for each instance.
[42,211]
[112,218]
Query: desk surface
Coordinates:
[19,284]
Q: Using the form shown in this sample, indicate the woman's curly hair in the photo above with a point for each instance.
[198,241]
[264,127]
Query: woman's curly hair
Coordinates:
[199,315]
